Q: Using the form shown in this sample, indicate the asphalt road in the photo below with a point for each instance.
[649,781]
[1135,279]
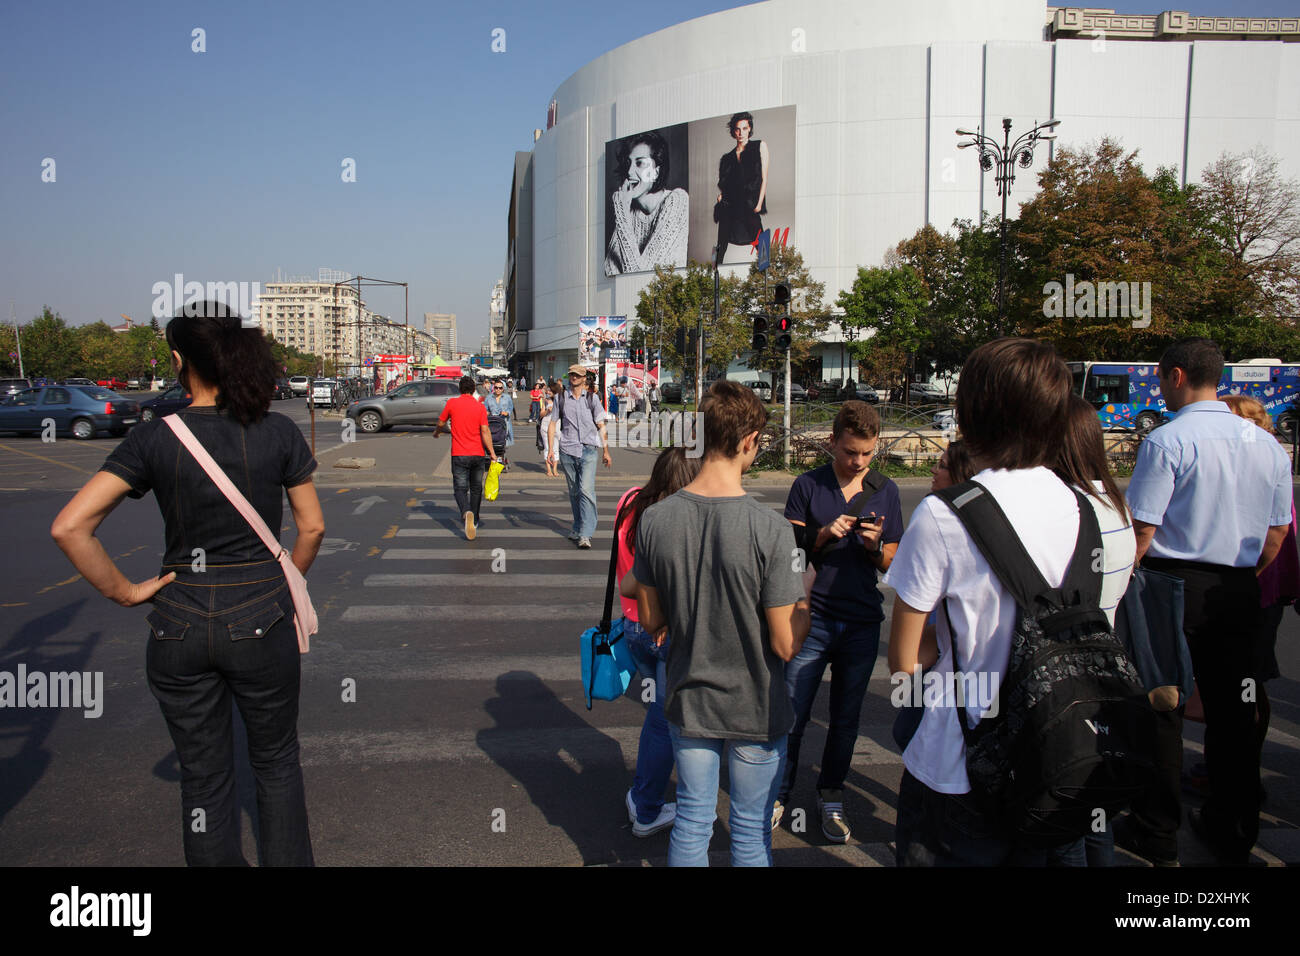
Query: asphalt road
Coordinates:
[468,709]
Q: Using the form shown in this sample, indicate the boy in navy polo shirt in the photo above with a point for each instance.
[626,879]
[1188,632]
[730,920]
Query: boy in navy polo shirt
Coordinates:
[849,521]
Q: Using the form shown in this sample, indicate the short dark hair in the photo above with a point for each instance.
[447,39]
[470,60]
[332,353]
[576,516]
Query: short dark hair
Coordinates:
[736,118]
[1201,359]
[235,360]
[858,419]
[466,385]
[730,411]
[658,153]
[1013,403]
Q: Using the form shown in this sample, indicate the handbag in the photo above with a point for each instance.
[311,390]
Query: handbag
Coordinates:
[607,665]
[1149,620]
[304,614]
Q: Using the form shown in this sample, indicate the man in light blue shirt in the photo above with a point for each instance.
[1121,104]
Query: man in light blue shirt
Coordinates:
[1211,503]
[581,431]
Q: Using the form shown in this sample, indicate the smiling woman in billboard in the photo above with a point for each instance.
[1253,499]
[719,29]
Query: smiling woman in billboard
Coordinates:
[650,221]
[742,186]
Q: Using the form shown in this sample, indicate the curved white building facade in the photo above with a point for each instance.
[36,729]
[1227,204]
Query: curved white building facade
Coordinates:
[878,90]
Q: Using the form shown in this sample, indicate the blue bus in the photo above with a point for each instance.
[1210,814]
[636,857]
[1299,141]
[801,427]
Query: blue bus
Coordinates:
[1127,394]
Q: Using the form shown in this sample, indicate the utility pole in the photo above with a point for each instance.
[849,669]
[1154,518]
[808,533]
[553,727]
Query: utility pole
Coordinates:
[17,339]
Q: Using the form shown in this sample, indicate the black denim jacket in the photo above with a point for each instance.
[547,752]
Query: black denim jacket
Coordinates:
[261,460]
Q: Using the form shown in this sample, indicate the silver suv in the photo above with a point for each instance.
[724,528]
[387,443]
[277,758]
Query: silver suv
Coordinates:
[415,403]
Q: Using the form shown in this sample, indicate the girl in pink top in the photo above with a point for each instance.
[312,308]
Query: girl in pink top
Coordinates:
[646,808]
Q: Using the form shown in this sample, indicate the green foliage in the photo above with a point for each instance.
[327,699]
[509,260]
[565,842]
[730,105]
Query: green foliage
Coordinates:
[1222,259]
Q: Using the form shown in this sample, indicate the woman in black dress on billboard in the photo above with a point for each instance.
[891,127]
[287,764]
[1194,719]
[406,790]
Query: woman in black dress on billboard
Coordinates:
[742,186]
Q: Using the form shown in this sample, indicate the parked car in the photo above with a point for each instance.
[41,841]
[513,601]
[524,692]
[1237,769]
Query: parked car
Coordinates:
[133,384]
[12,386]
[299,384]
[797,393]
[322,391]
[112,383]
[79,410]
[172,400]
[76,381]
[415,403]
[157,384]
[945,419]
[670,392]
[762,389]
[926,393]
[283,389]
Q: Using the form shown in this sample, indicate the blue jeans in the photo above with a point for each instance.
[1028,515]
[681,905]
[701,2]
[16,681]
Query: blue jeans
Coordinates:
[754,769]
[467,475]
[219,635]
[946,829]
[580,476]
[654,755]
[850,648]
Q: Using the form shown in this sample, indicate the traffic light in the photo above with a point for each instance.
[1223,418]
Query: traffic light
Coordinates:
[781,302]
[680,341]
[785,324]
[760,331]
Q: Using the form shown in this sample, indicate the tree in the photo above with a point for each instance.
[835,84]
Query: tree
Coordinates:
[959,273]
[893,302]
[50,348]
[678,295]
[1254,217]
[1097,218]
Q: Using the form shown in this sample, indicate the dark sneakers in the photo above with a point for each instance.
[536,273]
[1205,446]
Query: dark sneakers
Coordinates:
[1128,837]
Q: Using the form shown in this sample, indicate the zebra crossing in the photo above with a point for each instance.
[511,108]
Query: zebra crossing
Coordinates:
[471,649]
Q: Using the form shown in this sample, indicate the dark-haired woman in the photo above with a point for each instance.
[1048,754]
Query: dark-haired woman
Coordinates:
[222,629]
[646,809]
[650,220]
[742,186]
[1081,462]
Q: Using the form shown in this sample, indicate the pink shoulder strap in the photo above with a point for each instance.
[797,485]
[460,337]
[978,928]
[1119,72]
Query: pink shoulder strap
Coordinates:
[224,483]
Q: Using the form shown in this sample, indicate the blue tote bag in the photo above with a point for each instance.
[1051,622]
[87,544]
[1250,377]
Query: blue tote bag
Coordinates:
[607,665]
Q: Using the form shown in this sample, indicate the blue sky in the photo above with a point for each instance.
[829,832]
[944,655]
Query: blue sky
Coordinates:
[226,165]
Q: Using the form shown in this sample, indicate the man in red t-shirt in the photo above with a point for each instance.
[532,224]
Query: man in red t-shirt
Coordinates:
[471,447]
[535,406]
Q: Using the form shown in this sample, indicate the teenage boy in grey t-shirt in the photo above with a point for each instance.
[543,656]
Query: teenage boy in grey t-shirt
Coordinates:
[720,572]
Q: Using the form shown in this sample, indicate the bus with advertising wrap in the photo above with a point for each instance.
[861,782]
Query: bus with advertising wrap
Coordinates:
[1127,394]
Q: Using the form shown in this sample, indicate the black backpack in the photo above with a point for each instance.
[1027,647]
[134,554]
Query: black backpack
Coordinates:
[1074,732]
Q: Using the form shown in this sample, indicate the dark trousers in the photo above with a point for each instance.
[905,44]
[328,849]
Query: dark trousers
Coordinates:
[1220,618]
[467,474]
[946,829]
[221,635]
[850,650]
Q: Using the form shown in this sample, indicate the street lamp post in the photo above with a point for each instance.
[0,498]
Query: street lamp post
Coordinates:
[1005,157]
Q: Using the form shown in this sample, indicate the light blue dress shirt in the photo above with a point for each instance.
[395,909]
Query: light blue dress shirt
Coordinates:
[1213,483]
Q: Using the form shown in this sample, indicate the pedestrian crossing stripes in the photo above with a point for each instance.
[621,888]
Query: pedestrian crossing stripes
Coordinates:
[498,651]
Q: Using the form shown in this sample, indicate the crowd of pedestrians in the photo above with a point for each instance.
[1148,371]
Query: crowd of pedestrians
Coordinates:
[749,633]
[735,613]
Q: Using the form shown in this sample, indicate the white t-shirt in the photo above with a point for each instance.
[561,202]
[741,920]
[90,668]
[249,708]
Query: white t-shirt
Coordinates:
[1119,551]
[937,559]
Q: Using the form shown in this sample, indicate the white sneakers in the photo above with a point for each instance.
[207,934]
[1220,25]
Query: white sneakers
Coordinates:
[662,822]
